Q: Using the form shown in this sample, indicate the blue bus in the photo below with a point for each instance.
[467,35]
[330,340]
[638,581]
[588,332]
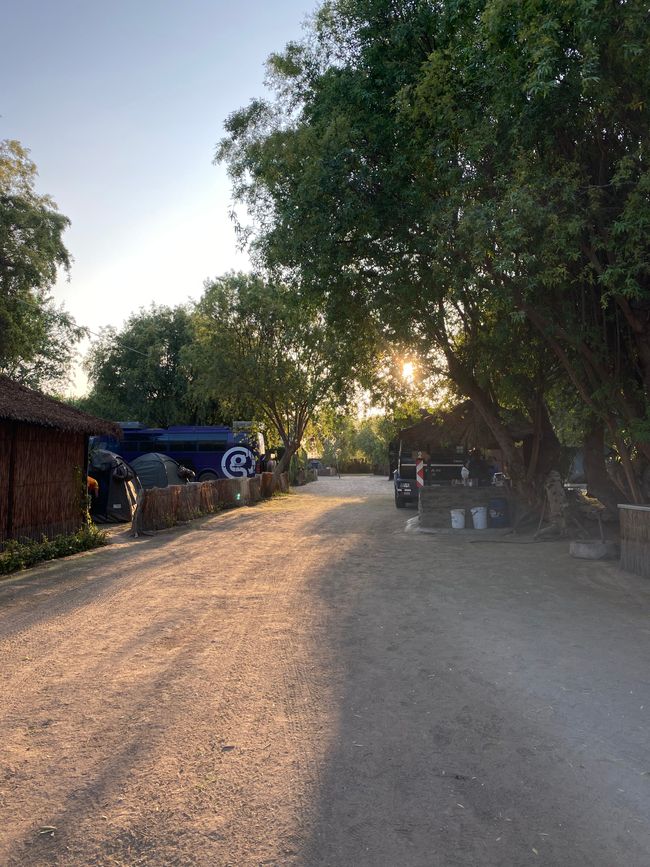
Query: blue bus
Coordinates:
[212,452]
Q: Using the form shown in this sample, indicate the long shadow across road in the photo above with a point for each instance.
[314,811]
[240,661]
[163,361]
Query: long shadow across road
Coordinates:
[492,704]
[306,684]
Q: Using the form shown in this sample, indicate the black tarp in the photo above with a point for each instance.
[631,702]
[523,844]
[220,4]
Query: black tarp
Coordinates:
[118,487]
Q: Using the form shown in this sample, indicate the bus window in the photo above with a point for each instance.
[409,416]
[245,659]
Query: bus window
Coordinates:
[137,441]
[211,445]
[172,445]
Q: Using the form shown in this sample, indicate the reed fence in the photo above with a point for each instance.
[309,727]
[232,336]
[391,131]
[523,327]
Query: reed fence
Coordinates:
[635,539]
[159,508]
[41,481]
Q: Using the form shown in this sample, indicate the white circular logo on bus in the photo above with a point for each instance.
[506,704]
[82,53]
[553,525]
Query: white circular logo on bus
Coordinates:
[237,463]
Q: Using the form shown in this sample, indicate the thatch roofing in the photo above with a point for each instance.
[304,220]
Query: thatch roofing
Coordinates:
[19,403]
[462,425]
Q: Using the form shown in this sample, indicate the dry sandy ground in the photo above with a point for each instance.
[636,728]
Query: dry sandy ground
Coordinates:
[305,684]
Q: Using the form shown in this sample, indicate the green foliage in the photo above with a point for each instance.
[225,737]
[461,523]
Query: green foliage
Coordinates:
[340,438]
[37,337]
[143,371]
[263,348]
[18,555]
[332,436]
[472,178]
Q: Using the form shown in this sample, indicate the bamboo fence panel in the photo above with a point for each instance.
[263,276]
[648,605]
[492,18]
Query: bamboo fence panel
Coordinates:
[159,508]
[268,485]
[41,492]
[254,490]
[5,459]
[635,539]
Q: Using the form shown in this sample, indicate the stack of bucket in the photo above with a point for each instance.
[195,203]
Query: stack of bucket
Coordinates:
[496,511]
[479,518]
[458,519]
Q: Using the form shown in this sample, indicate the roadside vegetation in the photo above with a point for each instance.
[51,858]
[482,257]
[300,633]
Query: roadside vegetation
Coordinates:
[37,336]
[17,555]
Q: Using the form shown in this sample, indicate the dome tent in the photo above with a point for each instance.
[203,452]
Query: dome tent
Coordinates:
[118,487]
[158,471]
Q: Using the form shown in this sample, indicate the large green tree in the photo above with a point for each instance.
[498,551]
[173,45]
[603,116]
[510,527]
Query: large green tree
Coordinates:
[37,336]
[261,348]
[143,372]
[472,176]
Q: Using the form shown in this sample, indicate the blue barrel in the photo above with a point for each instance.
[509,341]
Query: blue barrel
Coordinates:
[498,512]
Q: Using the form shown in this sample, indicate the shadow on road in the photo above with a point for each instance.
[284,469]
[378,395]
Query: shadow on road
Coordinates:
[482,702]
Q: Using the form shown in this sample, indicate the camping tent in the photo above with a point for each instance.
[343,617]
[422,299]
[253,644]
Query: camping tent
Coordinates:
[157,471]
[118,487]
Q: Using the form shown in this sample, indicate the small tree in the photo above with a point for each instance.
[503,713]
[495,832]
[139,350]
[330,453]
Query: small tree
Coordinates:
[260,349]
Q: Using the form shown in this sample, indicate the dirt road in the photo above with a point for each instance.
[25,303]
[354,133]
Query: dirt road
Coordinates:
[305,684]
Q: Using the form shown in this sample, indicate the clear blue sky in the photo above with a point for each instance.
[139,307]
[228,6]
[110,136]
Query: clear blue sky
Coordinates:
[122,105]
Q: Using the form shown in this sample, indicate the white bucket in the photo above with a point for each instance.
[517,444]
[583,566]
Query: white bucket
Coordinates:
[479,517]
[458,519]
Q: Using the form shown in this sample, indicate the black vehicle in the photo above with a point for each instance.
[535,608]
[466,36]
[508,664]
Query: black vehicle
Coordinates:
[406,488]
[439,470]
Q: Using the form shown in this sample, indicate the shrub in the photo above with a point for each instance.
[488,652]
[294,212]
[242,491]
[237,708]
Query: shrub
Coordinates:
[27,552]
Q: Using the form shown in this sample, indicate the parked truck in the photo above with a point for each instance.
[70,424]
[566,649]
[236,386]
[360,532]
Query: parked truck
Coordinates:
[442,468]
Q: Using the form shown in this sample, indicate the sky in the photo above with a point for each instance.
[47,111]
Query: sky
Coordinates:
[122,105]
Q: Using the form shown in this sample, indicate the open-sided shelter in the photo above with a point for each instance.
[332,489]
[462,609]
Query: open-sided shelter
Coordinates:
[43,458]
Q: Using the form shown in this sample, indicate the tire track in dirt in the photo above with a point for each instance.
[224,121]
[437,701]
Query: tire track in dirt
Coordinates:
[57,612]
[108,782]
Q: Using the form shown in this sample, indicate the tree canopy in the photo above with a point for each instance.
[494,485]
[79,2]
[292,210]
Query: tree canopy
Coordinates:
[143,372]
[471,177]
[37,336]
[261,348]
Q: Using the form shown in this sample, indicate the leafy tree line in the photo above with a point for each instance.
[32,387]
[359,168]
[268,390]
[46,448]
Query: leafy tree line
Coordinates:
[341,438]
[247,349]
[472,178]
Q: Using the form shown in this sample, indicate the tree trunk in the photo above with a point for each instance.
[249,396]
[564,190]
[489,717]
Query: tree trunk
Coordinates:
[282,466]
[557,505]
[546,448]
[599,483]
[634,491]
[511,454]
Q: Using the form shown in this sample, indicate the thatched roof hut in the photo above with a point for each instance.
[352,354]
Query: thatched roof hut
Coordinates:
[43,458]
